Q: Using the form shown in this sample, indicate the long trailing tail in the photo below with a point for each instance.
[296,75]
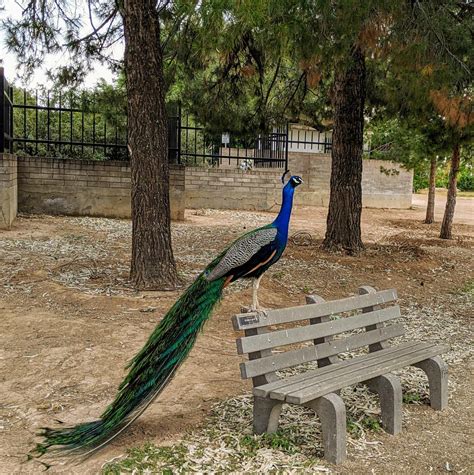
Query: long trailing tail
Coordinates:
[149,372]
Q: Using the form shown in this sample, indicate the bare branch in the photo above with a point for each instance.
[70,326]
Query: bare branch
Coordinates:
[173,30]
[288,102]
[277,70]
[65,16]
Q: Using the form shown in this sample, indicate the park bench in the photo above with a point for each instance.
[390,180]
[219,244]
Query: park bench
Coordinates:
[320,323]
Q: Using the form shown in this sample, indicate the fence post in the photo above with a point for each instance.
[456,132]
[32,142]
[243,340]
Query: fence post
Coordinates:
[2,110]
[178,131]
[6,114]
[10,114]
[286,146]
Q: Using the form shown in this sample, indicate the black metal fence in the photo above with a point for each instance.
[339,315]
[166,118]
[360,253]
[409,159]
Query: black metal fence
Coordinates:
[75,125]
[58,124]
[6,114]
[309,140]
[200,147]
[57,127]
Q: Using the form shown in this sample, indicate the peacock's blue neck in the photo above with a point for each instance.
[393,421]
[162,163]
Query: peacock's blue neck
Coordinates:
[282,221]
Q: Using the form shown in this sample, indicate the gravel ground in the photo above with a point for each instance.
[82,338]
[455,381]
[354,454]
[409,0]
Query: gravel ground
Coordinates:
[71,322]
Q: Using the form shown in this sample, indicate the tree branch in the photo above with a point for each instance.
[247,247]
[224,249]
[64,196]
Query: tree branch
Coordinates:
[440,39]
[95,31]
[165,4]
[277,70]
[295,91]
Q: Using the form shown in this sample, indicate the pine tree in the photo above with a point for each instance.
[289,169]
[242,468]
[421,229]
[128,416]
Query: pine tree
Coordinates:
[425,42]
[458,116]
[416,141]
[345,203]
[429,85]
[49,27]
[295,49]
[429,218]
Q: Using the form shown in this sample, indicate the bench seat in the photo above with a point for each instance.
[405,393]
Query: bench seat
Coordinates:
[313,384]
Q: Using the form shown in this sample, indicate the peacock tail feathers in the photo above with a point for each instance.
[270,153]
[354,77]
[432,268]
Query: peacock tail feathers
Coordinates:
[171,341]
[149,371]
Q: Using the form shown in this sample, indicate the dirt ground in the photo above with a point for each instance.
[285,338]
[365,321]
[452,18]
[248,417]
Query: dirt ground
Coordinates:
[70,323]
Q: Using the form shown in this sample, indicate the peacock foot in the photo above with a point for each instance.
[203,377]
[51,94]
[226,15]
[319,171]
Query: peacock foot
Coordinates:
[259,310]
[252,309]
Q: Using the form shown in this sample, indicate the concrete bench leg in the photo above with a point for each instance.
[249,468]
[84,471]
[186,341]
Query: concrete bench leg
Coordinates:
[389,390]
[332,412]
[266,413]
[437,371]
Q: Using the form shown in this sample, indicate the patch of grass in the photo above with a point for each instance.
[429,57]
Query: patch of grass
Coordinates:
[147,459]
[353,428]
[468,288]
[278,275]
[250,444]
[281,440]
[411,398]
[371,423]
[356,428]
[170,459]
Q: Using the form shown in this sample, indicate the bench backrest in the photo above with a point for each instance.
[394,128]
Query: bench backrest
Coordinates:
[319,322]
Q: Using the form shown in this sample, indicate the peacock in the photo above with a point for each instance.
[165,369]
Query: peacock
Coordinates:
[170,343]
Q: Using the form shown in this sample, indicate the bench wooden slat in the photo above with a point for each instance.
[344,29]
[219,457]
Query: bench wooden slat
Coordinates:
[309,332]
[266,389]
[246,321]
[256,367]
[365,373]
[346,368]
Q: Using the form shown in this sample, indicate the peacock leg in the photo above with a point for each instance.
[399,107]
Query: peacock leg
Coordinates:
[255,304]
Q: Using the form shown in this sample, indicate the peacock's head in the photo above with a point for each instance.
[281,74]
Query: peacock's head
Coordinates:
[294,180]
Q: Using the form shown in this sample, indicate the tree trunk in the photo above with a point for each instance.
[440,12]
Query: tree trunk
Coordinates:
[153,265]
[431,193]
[446,226]
[345,202]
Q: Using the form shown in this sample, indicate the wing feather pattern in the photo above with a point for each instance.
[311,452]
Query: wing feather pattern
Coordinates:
[242,251]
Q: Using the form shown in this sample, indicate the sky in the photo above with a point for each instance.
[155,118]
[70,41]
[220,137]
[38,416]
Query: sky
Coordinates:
[13,9]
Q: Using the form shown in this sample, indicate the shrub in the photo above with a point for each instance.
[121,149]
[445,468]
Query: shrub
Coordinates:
[442,176]
[420,180]
[466,180]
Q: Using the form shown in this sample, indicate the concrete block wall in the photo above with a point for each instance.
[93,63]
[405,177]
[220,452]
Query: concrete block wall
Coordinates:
[384,184]
[85,188]
[315,169]
[232,188]
[8,190]
[90,188]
